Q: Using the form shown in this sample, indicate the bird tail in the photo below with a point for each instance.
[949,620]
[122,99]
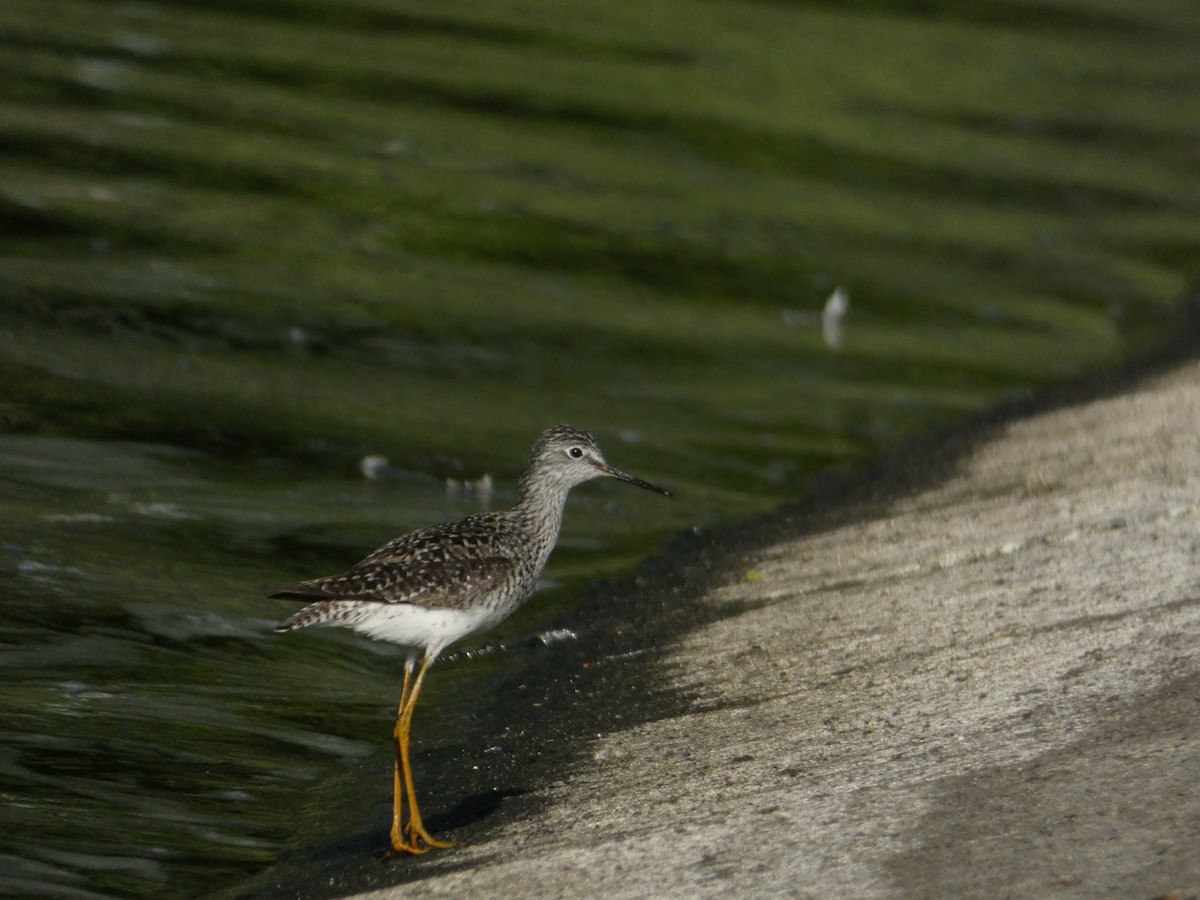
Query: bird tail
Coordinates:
[318,613]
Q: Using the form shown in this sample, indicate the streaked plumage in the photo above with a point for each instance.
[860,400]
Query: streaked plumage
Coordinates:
[427,589]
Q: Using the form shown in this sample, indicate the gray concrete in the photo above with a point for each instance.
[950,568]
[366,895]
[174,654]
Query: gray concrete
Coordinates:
[990,687]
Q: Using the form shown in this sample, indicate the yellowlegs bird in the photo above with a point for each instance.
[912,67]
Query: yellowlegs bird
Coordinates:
[430,588]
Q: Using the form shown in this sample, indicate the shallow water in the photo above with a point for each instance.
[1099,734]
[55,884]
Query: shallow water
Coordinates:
[246,245]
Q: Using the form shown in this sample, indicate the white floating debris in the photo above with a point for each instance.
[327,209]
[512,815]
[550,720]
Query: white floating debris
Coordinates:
[557,636]
[80,690]
[158,510]
[831,318]
[475,652]
[376,468]
[33,569]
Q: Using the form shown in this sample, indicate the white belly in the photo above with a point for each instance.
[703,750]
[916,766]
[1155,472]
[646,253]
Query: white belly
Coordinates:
[430,630]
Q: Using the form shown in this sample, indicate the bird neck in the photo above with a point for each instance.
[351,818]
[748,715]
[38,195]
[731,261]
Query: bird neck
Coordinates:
[540,502]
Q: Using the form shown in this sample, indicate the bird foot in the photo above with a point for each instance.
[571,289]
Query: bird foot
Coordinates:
[418,840]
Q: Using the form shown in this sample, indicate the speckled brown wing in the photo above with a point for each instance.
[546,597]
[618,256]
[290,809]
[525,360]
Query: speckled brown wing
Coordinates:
[443,567]
[444,584]
[437,584]
[475,537]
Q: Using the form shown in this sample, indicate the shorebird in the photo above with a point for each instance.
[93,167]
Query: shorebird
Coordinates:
[432,587]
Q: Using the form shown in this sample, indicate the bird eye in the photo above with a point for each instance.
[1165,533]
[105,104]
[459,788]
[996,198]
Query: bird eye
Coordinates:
[575,453]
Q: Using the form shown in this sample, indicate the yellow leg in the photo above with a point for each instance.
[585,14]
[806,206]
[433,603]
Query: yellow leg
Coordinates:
[399,843]
[418,840]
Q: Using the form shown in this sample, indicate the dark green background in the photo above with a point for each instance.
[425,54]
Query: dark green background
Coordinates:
[245,244]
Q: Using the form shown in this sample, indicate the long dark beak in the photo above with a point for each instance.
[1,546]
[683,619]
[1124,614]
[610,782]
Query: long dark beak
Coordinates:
[636,482]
